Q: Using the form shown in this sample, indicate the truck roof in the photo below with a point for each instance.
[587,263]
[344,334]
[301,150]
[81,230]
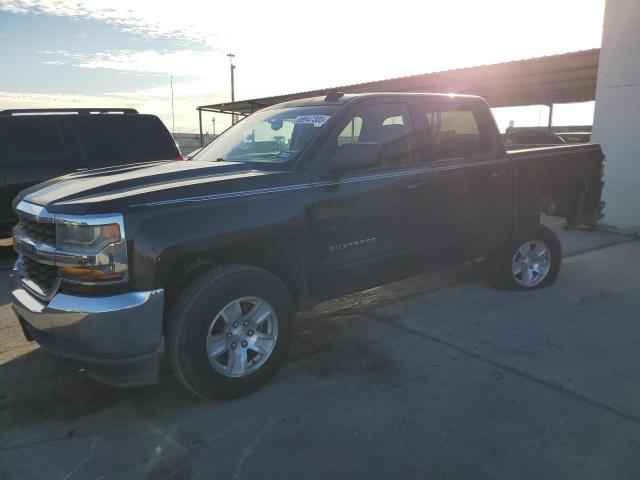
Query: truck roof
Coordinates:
[345,98]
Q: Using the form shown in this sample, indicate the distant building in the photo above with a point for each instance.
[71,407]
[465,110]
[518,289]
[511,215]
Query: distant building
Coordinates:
[188,142]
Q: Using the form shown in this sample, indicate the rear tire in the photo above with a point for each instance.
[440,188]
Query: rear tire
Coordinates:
[230,331]
[533,261]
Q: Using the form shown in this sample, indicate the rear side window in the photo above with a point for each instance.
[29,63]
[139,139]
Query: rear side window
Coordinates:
[452,131]
[388,124]
[35,139]
[121,139]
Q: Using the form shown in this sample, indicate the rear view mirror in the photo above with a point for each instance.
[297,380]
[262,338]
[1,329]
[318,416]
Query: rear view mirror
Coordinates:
[356,155]
[276,124]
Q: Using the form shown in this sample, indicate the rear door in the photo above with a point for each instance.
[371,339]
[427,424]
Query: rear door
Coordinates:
[116,139]
[474,186]
[365,217]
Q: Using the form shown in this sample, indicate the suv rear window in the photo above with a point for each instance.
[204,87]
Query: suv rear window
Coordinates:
[121,139]
[35,139]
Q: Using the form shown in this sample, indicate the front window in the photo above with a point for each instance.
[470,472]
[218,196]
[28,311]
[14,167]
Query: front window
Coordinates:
[271,136]
[387,124]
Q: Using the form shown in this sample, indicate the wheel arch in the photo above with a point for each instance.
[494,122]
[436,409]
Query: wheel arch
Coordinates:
[280,256]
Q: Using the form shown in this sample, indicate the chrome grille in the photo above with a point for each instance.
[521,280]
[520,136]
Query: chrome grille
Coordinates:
[39,273]
[40,232]
[41,276]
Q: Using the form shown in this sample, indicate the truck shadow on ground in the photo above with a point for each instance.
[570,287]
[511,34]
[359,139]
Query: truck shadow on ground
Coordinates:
[37,387]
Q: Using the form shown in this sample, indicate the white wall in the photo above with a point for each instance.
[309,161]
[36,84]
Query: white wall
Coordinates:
[617,113]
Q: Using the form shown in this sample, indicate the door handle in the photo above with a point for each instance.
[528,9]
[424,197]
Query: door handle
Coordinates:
[497,174]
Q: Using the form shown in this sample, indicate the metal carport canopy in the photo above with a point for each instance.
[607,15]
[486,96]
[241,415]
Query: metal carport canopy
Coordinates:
[563,78]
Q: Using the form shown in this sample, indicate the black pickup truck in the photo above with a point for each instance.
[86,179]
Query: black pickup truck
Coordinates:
[209,259]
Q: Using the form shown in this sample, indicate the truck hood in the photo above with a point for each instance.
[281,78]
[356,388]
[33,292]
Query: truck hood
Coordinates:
[117,188]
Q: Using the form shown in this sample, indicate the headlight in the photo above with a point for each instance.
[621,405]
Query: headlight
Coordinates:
[89,251]
[86,239]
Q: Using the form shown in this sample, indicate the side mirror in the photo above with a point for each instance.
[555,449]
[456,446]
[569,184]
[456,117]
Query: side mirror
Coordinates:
[352,156]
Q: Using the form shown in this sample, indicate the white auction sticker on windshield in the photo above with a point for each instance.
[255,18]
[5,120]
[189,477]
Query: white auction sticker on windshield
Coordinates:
[315,120]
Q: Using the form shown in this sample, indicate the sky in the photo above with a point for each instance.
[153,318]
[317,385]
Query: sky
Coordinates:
[122,53]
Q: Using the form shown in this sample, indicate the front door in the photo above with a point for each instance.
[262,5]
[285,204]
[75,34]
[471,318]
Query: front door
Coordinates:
[365,217]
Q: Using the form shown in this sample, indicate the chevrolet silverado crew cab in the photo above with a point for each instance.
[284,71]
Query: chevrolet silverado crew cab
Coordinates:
[300,202]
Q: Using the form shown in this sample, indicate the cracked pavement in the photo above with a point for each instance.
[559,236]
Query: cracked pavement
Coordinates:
[460,382]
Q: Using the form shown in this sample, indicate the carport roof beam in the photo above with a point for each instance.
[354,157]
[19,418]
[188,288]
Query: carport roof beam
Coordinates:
[563,78]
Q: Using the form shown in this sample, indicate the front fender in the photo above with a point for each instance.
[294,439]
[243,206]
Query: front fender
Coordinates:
[166,235]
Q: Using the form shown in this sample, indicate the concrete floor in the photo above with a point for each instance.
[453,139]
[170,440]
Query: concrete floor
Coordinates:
[463,382]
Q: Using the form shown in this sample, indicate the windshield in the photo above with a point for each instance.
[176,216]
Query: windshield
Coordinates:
[272,136]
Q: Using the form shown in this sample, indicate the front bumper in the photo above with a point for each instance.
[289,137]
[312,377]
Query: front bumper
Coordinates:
[116,339]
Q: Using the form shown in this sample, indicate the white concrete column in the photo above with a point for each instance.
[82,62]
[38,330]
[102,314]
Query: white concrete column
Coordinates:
[617,113]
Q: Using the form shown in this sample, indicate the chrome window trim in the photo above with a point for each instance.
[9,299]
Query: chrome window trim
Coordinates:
[362,178]
[414,171]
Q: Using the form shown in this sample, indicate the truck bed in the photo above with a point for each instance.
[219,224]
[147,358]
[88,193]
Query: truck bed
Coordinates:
[561,180]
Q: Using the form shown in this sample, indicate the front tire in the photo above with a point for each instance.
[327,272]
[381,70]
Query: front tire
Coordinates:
[230,331]
[533,261]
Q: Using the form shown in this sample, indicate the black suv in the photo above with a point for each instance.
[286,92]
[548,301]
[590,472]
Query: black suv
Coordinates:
[37,145]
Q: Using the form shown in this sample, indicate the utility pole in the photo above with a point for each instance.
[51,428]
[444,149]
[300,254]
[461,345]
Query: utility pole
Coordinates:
[233,95]
[173,117]
[200,122]
[213,124]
